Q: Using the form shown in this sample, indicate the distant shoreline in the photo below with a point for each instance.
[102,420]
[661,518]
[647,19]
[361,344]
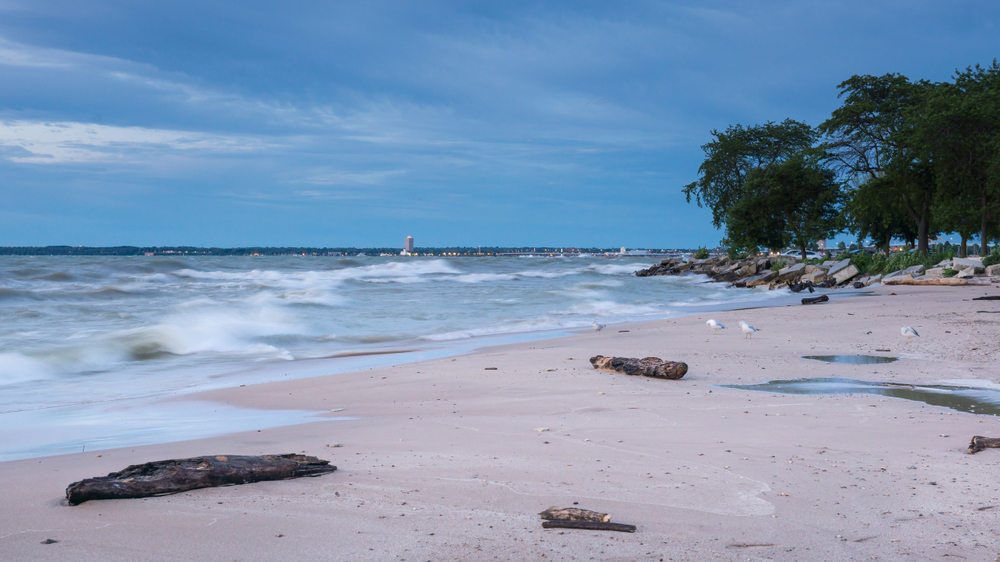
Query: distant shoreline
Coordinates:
[457,251]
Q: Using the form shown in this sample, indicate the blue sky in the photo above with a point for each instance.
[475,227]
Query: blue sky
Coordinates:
[459,123]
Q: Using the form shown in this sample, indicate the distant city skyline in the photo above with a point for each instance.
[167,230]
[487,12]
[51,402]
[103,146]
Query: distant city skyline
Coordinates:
[340,124]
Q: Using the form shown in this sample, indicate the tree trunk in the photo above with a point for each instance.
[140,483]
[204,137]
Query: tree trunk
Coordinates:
[888,243]
[589,525]
[647,366]
[180,475]
[983,236]
[979,443]
[964,252]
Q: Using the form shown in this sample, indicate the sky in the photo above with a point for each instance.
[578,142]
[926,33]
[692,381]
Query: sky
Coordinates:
[355,124]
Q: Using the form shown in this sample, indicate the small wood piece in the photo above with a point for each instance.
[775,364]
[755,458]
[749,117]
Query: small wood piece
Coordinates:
[989,298]
[180,475]
[979,443]
[573,514]
[647,366]
[589,525]
[815,300]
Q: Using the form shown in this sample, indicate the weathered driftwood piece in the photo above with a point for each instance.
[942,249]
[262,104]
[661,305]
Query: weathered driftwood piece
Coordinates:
[989,298]
[815,300]
[573,514]
[979,443]
[179,475]
[647,366]
[591,525]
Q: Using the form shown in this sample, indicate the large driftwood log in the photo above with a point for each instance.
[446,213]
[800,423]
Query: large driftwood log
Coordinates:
[179,475]
[979,443]
[647,366]
[815,300]
[573,514]
[591,525]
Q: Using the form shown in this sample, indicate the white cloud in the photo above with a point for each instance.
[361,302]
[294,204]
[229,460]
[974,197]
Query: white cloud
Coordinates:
[71,142]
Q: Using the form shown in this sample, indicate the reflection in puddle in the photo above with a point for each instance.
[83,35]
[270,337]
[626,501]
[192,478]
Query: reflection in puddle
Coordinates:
[851,359]
[961,398]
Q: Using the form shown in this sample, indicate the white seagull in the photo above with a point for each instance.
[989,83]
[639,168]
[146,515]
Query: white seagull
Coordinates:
[599,327]
[909,333]
[747,329]
[715,325]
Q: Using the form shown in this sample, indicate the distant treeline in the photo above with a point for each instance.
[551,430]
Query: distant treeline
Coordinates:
[274,251]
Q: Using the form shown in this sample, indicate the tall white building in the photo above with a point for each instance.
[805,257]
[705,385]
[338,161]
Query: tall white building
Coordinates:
[408,245]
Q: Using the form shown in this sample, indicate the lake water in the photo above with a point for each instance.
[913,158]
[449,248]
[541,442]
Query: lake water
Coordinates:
[90,338]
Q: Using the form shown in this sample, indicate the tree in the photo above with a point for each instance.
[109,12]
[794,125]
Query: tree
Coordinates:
[869,137]
[957,128]
[873,210]
[794,203]
[737,152]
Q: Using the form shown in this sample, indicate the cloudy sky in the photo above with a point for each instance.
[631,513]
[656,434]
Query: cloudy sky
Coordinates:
[460,123]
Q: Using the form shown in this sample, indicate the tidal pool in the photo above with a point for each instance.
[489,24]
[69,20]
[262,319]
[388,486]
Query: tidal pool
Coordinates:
[852,359]
[975,400]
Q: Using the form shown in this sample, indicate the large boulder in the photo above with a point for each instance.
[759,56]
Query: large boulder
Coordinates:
[962,264]
[874,279]
[993,270]
[814,268]
[792,273]
[762,279]
[816,277]
[841,271]
[935,272]
[966,273]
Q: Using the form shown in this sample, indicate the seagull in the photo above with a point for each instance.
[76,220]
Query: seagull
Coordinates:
[715,325]
[599,327]
[747,329]
[909,333]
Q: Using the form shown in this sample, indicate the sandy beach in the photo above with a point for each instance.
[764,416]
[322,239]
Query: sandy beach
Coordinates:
[453,459]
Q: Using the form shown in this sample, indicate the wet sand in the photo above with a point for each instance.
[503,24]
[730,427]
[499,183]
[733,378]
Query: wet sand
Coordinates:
[447,460]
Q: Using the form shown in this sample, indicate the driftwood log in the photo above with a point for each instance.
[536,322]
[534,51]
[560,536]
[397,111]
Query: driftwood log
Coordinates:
[179,475]
[590,525]
[815,300]
[979,443]
[573,514]
[989,298]
[647,366]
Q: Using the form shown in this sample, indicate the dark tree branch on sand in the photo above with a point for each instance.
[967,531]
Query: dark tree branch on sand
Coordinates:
[180,475]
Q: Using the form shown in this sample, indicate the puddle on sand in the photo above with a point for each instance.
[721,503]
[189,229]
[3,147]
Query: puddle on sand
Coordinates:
[852,359]
[962,398]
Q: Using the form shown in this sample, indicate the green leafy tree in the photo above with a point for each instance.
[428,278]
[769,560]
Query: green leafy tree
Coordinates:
[957,129]
[735,153]
[794,203]
[873,210]
[870,138]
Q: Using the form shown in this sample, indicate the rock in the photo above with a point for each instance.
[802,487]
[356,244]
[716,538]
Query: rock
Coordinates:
[966,273]
[969,263]
[829,263]
[815,268]
[936,272]
[872,280]
[914,270]
[792,273]
[748,270]
[842,271]
[816,277]
[945,264]
[993,270]
[762,279]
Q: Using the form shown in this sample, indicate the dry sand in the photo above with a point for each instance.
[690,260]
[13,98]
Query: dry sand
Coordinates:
[450,461]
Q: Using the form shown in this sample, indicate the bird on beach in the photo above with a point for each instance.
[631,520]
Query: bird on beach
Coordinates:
[747,329]
[715,325]
[909,333]
[599,327]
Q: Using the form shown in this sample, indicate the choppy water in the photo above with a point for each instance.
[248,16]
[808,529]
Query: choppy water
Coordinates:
[77,330]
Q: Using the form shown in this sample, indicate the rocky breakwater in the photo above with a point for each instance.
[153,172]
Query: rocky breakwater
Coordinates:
[771,271]
[957,271]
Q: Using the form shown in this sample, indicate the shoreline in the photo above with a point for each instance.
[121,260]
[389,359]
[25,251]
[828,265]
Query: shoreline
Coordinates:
[153,408]
[446,459]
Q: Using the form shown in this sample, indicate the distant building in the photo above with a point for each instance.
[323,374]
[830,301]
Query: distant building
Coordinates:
[408,245]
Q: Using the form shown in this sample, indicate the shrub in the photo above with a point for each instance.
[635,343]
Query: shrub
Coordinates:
[950,273]
[873,264]
[701,254]
[993,258]
[778,265]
